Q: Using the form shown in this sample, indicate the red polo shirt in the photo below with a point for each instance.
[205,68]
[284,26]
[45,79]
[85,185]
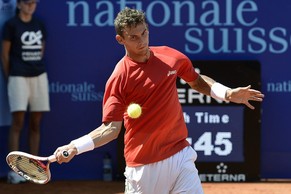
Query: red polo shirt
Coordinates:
[160,131]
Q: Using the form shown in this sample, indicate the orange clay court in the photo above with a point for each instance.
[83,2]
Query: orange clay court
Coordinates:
[117,187]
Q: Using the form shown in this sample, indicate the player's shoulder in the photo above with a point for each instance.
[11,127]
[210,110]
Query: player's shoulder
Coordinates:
[120,67]
[168,51]
[118,74]
[162,49]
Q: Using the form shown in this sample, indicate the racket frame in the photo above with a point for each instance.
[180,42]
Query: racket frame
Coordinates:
[49,160]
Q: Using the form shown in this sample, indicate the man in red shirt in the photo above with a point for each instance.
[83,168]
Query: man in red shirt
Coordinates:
[158,157]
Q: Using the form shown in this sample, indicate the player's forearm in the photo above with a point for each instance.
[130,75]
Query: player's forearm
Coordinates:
[105,133]
[217,90]
[98,137]
[202,84]
[207,86]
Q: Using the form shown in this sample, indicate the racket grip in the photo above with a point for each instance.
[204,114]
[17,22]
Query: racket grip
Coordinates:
[53,158]
[65,153]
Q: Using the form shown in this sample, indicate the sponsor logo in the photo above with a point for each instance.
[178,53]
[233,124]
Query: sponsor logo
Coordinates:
[172,72]
[220,26]
[78,92]
[222,175]
[30,42]
[283,86]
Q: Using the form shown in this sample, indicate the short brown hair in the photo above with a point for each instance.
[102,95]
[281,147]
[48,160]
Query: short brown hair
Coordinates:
[128,18]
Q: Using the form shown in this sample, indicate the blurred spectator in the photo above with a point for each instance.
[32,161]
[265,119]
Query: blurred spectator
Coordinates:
[22,57]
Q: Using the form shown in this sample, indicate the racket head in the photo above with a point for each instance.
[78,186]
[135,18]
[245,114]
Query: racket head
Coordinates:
[33,168]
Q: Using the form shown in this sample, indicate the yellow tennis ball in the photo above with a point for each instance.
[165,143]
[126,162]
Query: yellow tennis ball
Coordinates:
[134,110]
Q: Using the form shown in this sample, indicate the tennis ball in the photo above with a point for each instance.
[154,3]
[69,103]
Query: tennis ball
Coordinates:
[134,110]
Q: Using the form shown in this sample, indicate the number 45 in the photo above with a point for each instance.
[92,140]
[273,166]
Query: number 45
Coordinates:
[222,140]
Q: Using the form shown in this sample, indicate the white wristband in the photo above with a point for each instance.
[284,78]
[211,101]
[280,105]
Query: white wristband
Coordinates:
[83,144]
[218,91]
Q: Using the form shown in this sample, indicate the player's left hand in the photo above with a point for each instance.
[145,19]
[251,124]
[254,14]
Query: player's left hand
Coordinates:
[242,95]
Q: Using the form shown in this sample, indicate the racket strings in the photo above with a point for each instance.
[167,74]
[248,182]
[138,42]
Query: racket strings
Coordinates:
[33,169]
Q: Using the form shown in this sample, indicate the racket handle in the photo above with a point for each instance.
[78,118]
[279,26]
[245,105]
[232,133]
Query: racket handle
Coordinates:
[65,153]
[52,158]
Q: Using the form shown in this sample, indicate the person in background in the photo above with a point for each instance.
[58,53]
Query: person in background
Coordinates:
[22,56]
[159,159]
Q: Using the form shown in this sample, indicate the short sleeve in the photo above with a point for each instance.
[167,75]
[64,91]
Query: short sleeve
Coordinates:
[186,70]
[113,101]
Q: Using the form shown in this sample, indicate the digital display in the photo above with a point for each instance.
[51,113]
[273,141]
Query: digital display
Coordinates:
[225,135]
[216,133]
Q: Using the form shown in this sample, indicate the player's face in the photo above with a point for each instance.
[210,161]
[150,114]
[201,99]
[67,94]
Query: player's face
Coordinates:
[136,41]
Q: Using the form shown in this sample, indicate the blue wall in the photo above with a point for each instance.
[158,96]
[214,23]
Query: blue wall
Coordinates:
[81,53]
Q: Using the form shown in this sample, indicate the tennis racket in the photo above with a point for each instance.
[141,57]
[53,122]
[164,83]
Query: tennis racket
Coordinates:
[33,168]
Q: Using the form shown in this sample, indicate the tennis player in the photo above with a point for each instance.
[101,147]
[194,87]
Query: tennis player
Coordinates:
[159,160]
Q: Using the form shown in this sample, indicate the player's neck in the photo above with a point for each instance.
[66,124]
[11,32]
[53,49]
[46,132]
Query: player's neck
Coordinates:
[143,58]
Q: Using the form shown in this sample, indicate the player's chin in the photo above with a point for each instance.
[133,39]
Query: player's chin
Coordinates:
[143,51]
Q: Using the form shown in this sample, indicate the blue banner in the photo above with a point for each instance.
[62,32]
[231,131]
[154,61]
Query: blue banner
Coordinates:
[82,52]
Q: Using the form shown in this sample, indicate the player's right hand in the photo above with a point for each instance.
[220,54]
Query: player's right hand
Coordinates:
[70,149]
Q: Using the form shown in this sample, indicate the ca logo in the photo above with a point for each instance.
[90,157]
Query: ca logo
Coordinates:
[31,40]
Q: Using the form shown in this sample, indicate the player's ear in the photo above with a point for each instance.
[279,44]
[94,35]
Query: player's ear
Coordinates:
[119,39]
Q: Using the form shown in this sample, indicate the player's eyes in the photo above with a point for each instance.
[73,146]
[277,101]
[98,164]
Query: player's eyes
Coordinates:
[132,38]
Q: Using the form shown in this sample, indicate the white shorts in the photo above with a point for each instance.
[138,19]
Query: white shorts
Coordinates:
[32,92]
[174,175]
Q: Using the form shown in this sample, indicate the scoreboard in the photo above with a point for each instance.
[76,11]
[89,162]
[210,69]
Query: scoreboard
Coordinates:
[218,132]
[225,135]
